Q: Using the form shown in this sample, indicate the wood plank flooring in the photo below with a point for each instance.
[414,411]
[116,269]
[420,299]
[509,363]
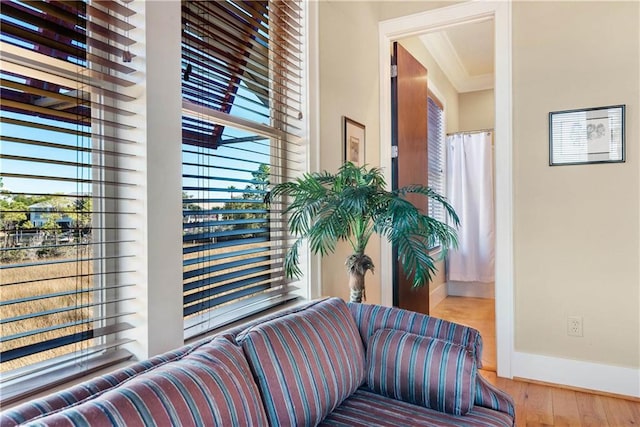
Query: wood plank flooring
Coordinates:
[537,404]
[479,313]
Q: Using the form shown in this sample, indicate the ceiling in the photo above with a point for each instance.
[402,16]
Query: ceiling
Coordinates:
[465,53]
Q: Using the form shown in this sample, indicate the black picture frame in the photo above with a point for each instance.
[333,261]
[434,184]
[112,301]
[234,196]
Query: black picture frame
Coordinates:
[353,141]
[587,135]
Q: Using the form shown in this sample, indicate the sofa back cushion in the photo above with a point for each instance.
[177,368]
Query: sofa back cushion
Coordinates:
[210,386]
[305,363]
[371,318]
[425,371]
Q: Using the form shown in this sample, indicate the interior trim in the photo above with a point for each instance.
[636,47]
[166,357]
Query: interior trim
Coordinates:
[434,20]
[583,375]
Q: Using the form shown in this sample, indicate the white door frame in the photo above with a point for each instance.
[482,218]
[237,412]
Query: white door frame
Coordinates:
[434,20]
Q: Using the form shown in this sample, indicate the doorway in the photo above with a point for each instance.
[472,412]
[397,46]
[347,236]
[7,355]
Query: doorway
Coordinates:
[395,29]
[442,121]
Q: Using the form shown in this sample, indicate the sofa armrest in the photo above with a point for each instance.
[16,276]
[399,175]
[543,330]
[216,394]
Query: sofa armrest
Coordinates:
[371,318]
[491,397]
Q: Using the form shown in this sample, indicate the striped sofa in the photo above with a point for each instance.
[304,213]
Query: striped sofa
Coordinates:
[327,363]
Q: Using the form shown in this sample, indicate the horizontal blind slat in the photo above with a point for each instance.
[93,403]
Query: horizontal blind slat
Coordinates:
[435,155]
[241,105]
[9,355]
[7,320]
[64,85]
[73,324]
[60,294]
[200,324]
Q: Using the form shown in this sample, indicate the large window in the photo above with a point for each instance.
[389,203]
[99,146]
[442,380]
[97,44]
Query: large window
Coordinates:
[65,171]
[242,123]
[436,135]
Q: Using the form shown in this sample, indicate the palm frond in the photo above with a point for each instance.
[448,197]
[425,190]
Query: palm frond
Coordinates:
[330,225]
[353,204]
[431,194]
[414,234]
[292,260]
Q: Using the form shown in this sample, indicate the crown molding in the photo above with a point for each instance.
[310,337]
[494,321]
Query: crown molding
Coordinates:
[445,54]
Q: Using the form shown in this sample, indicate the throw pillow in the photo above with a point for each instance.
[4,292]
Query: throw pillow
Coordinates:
[421,370]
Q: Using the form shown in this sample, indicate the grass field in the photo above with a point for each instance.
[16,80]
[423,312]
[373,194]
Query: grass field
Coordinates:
[31,285]
[37,280]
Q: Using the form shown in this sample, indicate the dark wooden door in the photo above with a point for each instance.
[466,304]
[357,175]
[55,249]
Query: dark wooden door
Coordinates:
[409,125]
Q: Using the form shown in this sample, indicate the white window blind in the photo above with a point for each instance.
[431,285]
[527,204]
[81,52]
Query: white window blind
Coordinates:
[436,135]
[66,70]
[242,125]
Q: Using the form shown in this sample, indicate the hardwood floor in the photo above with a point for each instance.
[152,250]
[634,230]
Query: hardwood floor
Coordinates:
[479,313]
[538,404]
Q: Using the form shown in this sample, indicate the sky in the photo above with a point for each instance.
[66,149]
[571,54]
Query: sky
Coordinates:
[247,155]
[244,157]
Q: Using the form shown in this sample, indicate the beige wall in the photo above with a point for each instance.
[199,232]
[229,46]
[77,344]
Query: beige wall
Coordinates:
[476,110]
[349,86]
[576,227]
[570,222]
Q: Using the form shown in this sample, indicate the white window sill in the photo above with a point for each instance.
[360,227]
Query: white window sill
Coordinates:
[46,381]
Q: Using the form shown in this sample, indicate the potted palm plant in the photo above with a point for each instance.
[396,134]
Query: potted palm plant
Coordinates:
[351,206]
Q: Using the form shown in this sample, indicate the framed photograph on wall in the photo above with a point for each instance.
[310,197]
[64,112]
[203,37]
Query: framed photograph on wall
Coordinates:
[353,135]
[589,135]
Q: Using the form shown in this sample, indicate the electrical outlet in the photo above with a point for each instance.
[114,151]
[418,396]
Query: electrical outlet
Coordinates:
[574,326]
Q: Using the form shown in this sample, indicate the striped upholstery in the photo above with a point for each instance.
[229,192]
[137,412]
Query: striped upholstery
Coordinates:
[491,397]
[87,390]
[367,409]
[94,387]
[316,350]
[425,371]
[370,318]
[210,386]
[305,363]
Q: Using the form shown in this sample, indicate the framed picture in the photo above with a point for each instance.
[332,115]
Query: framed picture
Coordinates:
[353,135]
[590,135]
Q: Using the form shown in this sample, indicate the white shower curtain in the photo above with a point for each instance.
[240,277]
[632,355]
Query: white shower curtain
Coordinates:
[469,179]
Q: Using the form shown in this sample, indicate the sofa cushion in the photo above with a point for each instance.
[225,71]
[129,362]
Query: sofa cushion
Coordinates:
[371,318]
[425,371]
[210,386]
[305,363]
[367,409]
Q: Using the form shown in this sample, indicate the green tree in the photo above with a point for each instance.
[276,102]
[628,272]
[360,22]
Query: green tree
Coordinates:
[82,213]
[29,200]
[188,206]
[261,179]
[351,206]
[246,201]
[55,214]
[13,215]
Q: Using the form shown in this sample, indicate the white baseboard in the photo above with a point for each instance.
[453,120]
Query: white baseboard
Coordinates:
[471,289]
[576,373]
[437,295]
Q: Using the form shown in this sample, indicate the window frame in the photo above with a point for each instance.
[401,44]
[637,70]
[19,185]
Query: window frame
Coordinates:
[282,138]
[100,343]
